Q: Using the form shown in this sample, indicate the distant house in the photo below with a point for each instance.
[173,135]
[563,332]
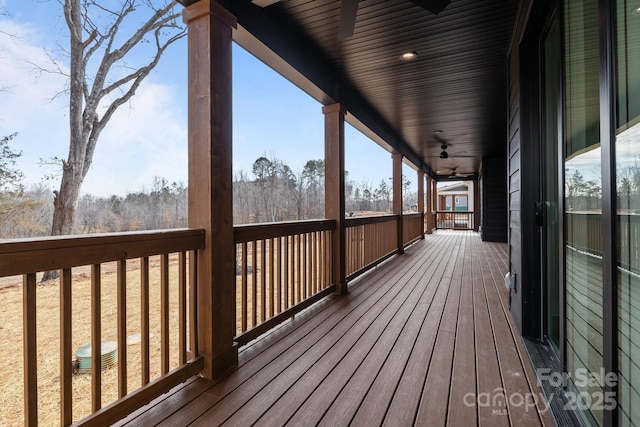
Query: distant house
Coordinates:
[456,197]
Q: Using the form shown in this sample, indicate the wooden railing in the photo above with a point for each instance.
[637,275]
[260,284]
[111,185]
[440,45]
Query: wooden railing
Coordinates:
[27,257]
[281,268]
[412,227]
[629,236]
[584,231]
[454,220]
[369,240]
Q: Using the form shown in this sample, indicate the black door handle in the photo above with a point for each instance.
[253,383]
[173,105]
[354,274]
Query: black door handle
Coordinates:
[539,214]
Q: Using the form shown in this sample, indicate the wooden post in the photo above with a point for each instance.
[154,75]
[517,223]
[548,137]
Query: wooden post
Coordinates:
[334,203]
[397,196]
[436,202]
[429,206]
[210,181]
[421,199]
[476,206]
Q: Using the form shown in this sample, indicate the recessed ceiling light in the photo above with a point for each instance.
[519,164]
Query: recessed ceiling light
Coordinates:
[436,132]
[409,56]
[638,10]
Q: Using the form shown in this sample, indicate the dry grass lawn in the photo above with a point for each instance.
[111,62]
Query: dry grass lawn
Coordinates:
[48,339]
[48,331]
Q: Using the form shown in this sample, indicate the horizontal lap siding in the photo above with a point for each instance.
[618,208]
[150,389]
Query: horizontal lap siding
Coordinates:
[515,236]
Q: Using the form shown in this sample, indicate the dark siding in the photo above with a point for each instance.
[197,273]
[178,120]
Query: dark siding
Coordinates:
[494,199]
[524,178]
[515,237]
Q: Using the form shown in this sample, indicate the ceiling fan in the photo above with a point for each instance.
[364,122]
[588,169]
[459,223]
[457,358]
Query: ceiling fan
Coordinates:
[444,154]
[455,175]
[349,10]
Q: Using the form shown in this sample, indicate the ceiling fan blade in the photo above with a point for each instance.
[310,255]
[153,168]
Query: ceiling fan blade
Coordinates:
[264,3]
[348,12]
[433,6]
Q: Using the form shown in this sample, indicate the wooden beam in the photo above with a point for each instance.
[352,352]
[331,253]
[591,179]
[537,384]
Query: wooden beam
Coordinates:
[397,196]
[334,203]
[210,180]
[421,199]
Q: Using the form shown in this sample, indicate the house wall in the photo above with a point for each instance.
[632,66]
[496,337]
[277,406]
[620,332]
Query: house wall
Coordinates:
[515,223]
[524,176]
[494,199]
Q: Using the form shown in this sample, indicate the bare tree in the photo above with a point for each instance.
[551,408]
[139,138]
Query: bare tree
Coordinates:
[97,43]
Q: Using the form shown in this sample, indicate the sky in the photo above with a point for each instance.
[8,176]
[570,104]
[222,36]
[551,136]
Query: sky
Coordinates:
[148,136]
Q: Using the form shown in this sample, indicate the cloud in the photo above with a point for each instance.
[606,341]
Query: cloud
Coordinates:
[26,104]
[146,137]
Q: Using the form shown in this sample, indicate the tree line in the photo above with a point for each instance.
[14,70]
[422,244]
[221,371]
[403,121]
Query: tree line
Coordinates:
[272,191]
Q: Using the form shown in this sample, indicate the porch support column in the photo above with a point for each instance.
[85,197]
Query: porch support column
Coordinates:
[436,203]
[210,181]
[421,199]
[476,206]
[334,203]
[429,214]
[397,196]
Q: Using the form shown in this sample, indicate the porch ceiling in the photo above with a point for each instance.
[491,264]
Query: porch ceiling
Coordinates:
[457,84]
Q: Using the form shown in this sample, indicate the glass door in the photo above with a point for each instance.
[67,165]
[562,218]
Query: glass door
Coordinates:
[627,149]
[583,207]
[550,238]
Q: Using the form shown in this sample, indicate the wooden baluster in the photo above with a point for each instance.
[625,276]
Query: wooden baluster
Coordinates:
[279,275]
[66,352]
[315,263]
[324,260]
[254,283]
[182,308]
[304,283]
[121,297]
[244,291]
[144,320]
[348,250]
[328,244]
[272,255]
[193,300]
[164,314]
[298,248]
[286,272]
[96,339]
[30,351]
[263,280]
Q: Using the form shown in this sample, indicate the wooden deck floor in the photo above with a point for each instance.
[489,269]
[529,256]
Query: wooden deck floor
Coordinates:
[414,343]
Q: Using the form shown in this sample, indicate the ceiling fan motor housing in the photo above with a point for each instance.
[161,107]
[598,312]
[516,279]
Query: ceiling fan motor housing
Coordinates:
[433,6]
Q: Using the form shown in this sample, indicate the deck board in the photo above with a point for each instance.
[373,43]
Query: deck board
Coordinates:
[412,343]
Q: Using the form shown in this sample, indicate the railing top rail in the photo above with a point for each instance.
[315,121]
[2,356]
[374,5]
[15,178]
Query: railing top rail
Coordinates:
[412,215]
[251,232]
[22,256]
[455,212]
[364,220]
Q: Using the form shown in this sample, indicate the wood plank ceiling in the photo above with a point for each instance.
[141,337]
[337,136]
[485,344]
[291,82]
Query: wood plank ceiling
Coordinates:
[457,84]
